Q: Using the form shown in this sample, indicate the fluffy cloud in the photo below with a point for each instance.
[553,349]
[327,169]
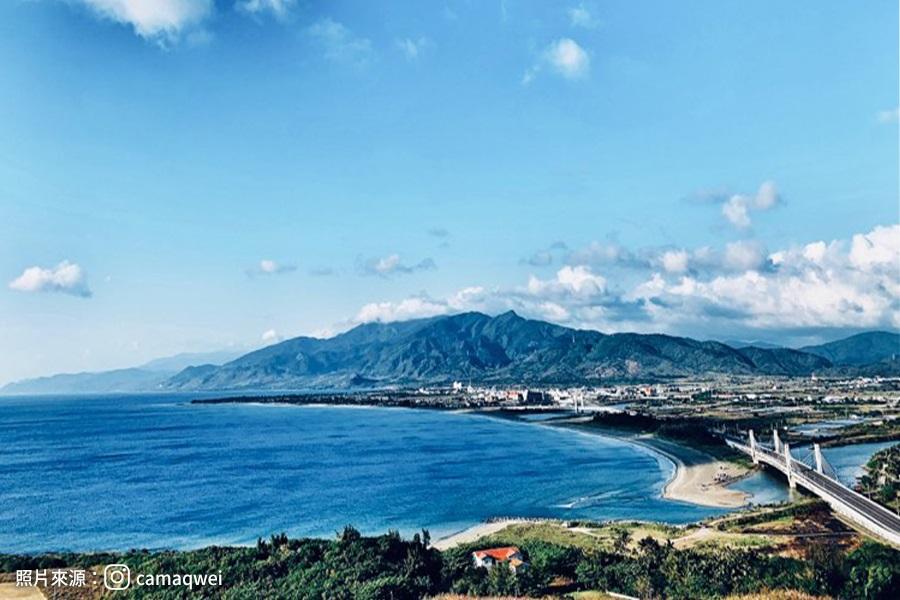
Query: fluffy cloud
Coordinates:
[565,57]
[338,43]
[569,281]
[740,255]
[568,58]
[410,308]
[675,261]
[160,20]
[879,249]
[270,336]
[392,264]
[270,267]
[840,284]
[277,8]
[604,254]
[817,285]
[65,278]
[738,207]
[744,256]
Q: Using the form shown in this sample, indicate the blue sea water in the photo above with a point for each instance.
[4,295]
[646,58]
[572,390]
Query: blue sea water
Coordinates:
[119,472]
[848,462]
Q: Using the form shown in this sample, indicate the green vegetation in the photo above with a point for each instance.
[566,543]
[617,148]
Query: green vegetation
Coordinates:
[390,568]
[785,513]
[690,432]
[881,482]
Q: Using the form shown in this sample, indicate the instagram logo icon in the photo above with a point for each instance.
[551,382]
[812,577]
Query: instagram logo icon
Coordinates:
[116,577]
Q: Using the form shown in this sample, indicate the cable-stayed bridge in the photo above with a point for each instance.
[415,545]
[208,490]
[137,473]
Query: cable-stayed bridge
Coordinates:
[819,478]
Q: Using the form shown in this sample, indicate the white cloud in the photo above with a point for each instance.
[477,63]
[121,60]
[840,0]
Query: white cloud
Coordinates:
[392,264]
[891,115]
[268,266]
[580,16]
[597,253]
[565,57]
[270,336]
[410,308]
[277,8]
[675,261]
[878,249]
[65,278]
[160,20]
[735,210]
[338,43]
[766,197]
[578,280]
[411,48]
[818,285]
[841,284]
[738,255]
[738,207]
[744,255]
[568,58]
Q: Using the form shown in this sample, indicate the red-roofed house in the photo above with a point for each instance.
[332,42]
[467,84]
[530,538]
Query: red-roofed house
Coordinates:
[489,557]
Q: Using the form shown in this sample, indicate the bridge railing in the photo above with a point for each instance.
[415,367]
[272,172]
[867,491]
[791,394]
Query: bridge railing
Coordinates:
[867,513]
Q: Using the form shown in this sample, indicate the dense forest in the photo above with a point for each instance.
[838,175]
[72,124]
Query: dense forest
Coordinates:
[387,567]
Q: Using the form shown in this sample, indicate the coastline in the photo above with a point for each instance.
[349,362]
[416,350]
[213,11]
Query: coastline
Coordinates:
[699,478]
[705,482]
[474,533]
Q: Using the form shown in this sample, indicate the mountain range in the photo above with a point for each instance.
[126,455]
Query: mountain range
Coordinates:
[480,348]
[147,377]
[508,348]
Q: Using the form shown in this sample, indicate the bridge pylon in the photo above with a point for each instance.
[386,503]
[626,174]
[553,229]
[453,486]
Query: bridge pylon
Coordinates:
[776,441]
[753,448]
[789,470]
[820,464]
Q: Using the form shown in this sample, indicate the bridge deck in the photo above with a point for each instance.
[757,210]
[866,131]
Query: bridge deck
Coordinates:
[854,505]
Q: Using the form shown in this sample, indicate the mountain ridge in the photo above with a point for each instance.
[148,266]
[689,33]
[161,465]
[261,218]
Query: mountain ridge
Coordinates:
[477,347]
[860,349]
[472,346]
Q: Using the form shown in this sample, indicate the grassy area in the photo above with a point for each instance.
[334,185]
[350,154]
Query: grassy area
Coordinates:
[784,529]
[593,596]
[553,533]
[779,595]
[589,536]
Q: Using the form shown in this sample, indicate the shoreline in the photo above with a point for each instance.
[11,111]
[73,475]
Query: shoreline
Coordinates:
[698,478]
[475,533]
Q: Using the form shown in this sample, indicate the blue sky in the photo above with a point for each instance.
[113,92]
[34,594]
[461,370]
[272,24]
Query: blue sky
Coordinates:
[191,175]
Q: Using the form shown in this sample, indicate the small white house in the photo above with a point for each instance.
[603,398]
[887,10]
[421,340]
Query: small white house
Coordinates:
[490,557]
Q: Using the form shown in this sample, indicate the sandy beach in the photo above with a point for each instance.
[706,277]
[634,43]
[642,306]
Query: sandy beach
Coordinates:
[699,478]
[707,484]
[474,533]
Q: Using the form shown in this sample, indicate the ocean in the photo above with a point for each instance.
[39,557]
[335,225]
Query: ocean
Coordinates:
[154,471]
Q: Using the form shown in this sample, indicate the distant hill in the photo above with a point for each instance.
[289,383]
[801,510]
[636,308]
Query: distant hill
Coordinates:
[858,350]
[738,344]
[476,347]
[104,382]
[178,362]
[144,378]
